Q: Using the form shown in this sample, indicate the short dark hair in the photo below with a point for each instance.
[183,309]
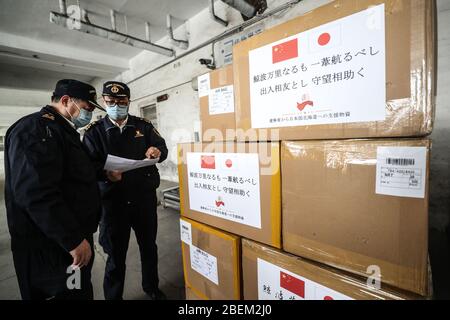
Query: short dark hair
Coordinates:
[56,99]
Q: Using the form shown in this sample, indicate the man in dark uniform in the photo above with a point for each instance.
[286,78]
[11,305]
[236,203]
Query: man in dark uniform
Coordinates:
[129,199]
[52,198]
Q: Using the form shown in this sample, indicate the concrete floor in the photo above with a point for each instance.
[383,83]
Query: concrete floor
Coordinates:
[170,261]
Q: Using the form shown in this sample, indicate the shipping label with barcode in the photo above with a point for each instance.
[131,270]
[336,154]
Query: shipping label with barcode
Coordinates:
[401,171]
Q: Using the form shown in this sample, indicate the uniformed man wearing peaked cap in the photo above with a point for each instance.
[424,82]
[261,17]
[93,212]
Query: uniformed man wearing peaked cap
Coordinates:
[128,199]
[52,197]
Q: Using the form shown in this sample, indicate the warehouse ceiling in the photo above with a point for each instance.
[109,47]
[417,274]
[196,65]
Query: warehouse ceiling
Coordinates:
[34,52]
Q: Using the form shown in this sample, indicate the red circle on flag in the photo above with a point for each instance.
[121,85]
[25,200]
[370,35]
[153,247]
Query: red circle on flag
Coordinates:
[324,39]
[328,298]
[228,163]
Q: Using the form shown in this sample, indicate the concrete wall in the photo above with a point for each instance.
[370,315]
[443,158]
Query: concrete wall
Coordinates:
[14,104]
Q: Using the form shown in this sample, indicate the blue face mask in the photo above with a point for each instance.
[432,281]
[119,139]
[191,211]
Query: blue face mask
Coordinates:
[117,112]
[83,118]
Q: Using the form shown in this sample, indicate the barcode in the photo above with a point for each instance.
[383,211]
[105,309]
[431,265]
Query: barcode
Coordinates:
[400,162]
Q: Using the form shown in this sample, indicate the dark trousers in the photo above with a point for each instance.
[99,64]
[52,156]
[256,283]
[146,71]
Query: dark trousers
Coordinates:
[43,274]
[117,220]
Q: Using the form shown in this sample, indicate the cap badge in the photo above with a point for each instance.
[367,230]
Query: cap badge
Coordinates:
[114,89]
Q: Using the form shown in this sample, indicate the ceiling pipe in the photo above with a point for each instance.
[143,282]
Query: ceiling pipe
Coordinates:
[85,16]
[213,14]
[63,7]
[183,44]
[112,13]
[243,7]
[219,37]
[147,31]
[125,22]
[61,20]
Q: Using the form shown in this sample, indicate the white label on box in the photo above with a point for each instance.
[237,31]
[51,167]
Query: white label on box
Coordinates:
[401,171]
[335,73]
[204,85]
[204,263]
[275,283]
[221,100]
[186,232]
[225,185]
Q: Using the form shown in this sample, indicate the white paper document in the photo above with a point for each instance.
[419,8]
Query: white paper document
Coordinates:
[114,163]
[204,263]
[334,73]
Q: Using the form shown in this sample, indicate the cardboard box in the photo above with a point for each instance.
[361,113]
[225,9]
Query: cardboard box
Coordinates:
[336,73]
[270,274]
[211,261]
[217,105]
[235,187]
[191,294]
[353,204]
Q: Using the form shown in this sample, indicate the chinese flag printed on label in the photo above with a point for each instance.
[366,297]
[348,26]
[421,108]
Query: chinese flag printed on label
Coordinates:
[326,38]
[208,162]
[292,284]
[285,51]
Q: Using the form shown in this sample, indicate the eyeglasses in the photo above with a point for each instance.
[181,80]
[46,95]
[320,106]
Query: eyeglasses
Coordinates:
[113,102]
[84,105]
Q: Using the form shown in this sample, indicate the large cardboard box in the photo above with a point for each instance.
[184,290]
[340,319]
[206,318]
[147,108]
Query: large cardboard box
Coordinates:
[192,294]
[349,69]
[270,274]
[235,187]
[216,94]
[211,261]
[355,204]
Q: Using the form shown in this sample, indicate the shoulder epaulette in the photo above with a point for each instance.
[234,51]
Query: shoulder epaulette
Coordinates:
[48,116]
[90,125]
[143,119]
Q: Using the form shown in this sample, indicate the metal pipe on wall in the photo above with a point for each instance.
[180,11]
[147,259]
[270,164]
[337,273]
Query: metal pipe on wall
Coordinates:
[213,14]
[222,36]
[63,7]
[183,44]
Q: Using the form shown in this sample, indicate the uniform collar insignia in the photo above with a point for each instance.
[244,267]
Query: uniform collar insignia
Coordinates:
[138,134]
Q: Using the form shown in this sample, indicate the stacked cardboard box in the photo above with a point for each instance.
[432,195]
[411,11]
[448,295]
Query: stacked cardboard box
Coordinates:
[216,95]
[272,274]
[234,187]
[192,295]
[349,69]
[352,210]
[211,261]
[354,204]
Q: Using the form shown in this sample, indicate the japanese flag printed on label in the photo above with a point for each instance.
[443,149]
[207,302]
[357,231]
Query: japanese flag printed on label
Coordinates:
[335,73]
[401,171]
[225,185]
[275,283]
